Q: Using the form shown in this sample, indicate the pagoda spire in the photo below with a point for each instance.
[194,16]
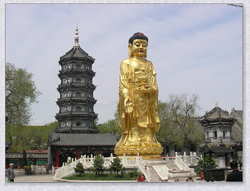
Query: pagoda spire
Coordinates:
[76,45]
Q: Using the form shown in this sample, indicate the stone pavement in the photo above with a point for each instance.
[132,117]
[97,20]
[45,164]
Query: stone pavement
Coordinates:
[35,178]
[49,178]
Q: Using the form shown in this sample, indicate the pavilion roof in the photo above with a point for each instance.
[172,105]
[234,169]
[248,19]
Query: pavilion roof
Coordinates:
[217,115]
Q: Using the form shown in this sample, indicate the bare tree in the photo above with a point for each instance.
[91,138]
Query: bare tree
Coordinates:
[179,124]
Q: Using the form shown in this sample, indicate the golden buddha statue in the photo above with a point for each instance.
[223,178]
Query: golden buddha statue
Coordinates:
[138,103]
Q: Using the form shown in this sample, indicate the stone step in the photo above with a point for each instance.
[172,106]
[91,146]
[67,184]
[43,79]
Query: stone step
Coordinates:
[153,174]
[173,167]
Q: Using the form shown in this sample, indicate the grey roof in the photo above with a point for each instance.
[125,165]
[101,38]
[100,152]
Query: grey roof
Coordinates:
[82,139]
[238,114]
[76,53]
[221,150]
[215,114]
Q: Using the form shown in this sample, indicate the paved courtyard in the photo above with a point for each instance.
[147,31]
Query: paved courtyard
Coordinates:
[35,178]
[49,178]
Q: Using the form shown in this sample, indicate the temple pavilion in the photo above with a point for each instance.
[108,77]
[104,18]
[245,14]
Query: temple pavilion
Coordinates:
[76,134]
[218,125]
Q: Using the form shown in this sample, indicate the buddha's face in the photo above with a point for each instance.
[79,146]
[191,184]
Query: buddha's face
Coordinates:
[139,48]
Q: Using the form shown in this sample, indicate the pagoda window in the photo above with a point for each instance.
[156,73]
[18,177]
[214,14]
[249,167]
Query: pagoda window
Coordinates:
[224,134]
[78,66]
[215,134]
[78,80]
[78,94]
[78,108]
[207,134]
[78,123]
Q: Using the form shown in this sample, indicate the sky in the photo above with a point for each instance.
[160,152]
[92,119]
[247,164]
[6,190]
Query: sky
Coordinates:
[195,49]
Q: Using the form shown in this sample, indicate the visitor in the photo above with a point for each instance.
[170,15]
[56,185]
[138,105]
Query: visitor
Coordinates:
[10,173]
[236,175]
[202,175]
[142,178]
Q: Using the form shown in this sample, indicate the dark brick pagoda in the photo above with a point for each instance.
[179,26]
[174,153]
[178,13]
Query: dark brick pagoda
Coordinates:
[76,133]
[76,102]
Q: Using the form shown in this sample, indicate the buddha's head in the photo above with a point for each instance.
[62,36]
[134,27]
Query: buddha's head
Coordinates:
[138,44]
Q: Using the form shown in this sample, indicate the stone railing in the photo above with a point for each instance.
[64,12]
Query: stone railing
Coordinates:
[68,169]
[191,159]
[143,168]
[38,169]
[180,163]
[127,162]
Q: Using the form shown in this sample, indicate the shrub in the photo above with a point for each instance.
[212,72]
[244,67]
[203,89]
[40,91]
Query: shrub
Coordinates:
[134,173]
[79,168]
[27,170]
[209,163]
[116,165]
[98,165]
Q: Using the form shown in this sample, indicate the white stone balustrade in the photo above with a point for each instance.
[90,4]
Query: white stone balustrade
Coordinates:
[127,161]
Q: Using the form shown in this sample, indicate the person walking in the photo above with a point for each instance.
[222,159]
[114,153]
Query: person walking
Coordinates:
[10,173]
[236,175]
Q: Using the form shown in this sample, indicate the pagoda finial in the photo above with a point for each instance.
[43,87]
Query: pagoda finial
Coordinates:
[216,103]
[76,45]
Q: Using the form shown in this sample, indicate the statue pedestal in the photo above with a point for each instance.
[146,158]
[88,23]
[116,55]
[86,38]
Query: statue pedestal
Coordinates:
[148,153]
[151,157]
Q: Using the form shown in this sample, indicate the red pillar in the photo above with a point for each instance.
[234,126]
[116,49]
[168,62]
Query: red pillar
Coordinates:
[98,151]
[78,154]
[35,161]
[57,157]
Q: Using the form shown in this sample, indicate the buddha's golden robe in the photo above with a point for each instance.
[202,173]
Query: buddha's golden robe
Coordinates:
[138,128]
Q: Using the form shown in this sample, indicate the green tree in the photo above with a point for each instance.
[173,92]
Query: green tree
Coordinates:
[116,165]
[209,163]
[179,124]
[98,165]
[20,93]
[79,169]
[33,137]
[111,125]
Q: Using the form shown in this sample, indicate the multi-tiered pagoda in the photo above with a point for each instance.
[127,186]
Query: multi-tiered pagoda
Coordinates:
[76,102]
[76,134]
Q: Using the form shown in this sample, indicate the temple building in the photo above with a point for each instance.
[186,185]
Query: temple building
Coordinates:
[218,125]
[76,133]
